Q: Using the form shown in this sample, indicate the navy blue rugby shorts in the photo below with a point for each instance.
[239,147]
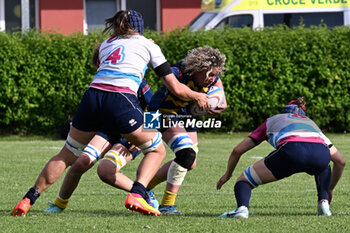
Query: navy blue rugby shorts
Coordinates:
[110,112]
[117,138]
[110,137]
[295,157]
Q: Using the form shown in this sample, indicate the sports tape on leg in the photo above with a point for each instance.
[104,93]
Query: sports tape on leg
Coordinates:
[92,152]
[74,146]
[180,141]
[252,177]
[152,144]
[176,173]
[116,158]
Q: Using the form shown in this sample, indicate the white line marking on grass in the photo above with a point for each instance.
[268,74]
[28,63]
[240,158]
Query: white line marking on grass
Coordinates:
[54,147]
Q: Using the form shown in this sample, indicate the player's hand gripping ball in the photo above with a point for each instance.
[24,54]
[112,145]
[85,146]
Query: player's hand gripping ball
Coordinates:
[215,98]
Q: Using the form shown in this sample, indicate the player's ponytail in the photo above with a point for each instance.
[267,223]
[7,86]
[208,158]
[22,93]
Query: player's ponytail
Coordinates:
[295,106]
[124,23]
[301,102]
[118,25]
[95,56]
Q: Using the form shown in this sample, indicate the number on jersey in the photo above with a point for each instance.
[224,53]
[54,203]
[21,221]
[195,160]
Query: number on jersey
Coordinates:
[116,56]
[298,116]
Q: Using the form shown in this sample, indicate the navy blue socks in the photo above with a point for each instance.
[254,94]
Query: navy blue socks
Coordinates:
[139,189]
[243,192]
[323,182]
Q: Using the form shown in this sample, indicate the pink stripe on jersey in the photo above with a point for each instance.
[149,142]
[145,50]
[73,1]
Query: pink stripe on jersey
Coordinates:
[107,87]
[301,139]
[259,134]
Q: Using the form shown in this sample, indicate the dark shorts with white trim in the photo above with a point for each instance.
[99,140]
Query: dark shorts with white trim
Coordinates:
[111,112]
[295,157]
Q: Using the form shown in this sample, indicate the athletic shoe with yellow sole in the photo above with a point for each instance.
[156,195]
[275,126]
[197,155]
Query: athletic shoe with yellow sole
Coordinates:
[21,208]
[135,202]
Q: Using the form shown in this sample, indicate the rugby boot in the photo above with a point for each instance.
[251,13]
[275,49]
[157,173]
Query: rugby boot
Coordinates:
[21,208]
[135,202]
[151,199]
[241,212]
[53,208]
[169,210]
[323,208]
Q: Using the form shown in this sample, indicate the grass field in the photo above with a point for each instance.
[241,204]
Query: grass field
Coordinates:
[286,206]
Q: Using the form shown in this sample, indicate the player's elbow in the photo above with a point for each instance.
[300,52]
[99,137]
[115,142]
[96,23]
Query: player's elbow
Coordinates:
[339,161]
[342,162]
[237,152]
[339,164]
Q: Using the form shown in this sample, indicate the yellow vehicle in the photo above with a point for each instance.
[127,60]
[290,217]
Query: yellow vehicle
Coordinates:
[265,13]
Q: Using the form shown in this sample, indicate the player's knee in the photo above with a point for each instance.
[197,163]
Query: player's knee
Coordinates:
[153,145]
[194,164]
[106,171]
[241,178]
[195,148]
[251,177]
[103,175]
[161,151]
[81,165]
[185,157]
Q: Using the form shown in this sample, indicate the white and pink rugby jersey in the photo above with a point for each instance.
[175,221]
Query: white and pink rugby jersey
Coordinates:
[124,61]
[287,127]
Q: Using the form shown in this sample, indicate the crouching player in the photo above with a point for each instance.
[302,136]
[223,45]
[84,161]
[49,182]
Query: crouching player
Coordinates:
[300,147]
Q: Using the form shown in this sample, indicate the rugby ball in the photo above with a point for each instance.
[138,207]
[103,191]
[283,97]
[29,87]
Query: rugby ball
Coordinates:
[215,98]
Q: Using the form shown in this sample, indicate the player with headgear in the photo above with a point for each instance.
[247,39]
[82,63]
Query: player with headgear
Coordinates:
[300,147]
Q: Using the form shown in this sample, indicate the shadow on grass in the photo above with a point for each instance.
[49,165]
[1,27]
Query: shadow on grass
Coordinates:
[126,213]
[102,213]
[86,213]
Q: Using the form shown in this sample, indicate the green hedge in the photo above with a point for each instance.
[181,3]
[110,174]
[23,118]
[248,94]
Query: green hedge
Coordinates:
[42,79]
[43,76]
